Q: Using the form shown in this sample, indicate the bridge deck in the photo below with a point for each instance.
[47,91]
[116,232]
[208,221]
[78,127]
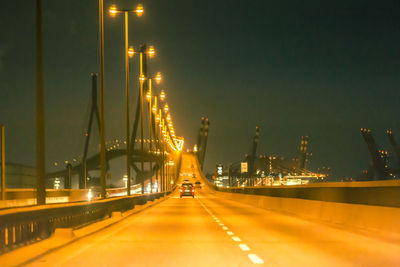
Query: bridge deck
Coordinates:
[212,231]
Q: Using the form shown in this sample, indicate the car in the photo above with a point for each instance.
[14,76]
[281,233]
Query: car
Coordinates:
[187,189]
[197,184]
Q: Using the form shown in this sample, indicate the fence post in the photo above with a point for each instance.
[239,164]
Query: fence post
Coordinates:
[3,163]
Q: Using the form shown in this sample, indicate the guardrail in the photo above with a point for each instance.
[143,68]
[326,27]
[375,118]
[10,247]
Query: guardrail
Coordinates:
[23,226]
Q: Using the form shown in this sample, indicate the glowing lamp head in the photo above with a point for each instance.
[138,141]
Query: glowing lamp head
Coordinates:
[158,78]
[139,10]
[157,118]
[131,51]
[142,78]
[166,108]
[113,11]
[148,95]
[168,117]
[162,95]
[151,51]
[154,109]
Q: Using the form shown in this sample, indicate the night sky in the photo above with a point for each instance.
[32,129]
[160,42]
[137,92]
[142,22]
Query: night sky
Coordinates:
[319,68]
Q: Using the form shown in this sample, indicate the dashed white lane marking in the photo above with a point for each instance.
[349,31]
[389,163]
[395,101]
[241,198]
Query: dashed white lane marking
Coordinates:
[221,224]
[236,239]
[255,259]
[244,247]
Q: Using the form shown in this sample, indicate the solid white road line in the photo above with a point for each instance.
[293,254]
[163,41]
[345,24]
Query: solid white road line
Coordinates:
[255,259]
[244,247]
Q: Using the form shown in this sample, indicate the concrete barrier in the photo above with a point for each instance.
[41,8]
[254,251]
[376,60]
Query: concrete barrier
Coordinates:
[378,219]
[385,220]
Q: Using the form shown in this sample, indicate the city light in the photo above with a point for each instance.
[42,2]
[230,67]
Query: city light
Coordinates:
[162,95]
[166,108]
[151,51]
[139,10]
[113,11]
[158,78]
[90,195]
[131,51]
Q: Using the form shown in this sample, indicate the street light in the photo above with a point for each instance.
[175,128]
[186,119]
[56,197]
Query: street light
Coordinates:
[150,51]
[148,97]
[114,11]
[162,95]
[129,52]
[158,78]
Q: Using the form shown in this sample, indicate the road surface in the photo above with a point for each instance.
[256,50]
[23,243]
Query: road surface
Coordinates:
[211,231]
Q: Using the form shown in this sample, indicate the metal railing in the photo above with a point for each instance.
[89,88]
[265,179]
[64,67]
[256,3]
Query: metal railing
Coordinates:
[23,226]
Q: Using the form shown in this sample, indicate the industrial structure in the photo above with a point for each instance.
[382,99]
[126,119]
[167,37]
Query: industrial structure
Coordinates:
[261,170]
[380,166]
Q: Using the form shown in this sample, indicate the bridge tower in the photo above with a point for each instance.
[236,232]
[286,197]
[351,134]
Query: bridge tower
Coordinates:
[94,112]
[202,140]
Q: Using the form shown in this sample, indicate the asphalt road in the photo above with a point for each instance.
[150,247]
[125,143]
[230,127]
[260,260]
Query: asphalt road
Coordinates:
[211,231]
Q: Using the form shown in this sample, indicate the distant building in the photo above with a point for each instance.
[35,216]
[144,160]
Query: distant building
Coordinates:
[20,176]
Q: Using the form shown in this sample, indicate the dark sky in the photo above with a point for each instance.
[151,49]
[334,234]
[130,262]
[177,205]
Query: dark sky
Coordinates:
[318,68]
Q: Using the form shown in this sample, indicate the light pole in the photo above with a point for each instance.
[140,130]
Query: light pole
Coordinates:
[102,115]
[3,162]
[40,128]
[151,52]
[148,97]
[156,140]
[162,146]
[128,53]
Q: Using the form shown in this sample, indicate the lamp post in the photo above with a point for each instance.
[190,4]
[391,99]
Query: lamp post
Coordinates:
[129,52]
[156,140]
[148,97]
[162,170]
[40,127]
[3,162]
[151,52]
[102,115]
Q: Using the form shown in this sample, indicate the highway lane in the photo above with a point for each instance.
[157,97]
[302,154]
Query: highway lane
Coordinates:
[211,231]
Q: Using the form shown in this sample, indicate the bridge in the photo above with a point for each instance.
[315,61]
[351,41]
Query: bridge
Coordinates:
[219,228]
[270,210]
